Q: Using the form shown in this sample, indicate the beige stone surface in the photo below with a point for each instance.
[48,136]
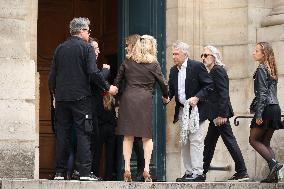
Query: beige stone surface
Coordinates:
[17,120]
[240,95]
[18,127]
[172,4]
[225,26]
[173,165]
[46,184]
[17,83]
[14,38]
[235,59]
[272,34]
[17,9]
[17,158]
[260,3]
[171,26]
[233,4]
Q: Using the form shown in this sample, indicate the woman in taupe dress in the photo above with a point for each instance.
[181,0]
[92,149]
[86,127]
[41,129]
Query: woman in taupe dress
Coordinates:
[140,71]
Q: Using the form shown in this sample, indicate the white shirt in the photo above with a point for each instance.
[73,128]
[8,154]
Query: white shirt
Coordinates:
[181,82]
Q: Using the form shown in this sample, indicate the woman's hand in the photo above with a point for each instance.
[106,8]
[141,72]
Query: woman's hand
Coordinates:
[259,121]
[166,100]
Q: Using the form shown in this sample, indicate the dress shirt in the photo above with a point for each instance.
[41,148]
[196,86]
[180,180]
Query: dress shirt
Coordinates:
[181,82]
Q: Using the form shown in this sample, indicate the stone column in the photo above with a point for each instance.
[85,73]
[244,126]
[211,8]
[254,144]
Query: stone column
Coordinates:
[276,17]
[18,86]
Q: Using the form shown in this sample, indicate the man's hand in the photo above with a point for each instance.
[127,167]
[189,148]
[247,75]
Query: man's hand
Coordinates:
[113,90]
[221,120]
[258,121]
[193,101]
[106,66]
[166,100]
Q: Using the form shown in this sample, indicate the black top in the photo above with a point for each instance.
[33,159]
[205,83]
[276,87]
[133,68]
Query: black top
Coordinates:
[265,89]
[74,66]
[197,83]
[219,99]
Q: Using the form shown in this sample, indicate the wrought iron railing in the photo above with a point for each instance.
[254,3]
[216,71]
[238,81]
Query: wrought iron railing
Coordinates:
[236,122]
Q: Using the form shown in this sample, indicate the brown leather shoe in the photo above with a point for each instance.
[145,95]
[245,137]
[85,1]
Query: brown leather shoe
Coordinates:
[127,176]
[147,177]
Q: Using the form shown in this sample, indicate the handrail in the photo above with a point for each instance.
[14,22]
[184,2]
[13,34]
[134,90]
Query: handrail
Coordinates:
[236,123]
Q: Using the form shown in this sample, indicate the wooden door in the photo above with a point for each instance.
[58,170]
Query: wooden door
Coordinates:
[53,28]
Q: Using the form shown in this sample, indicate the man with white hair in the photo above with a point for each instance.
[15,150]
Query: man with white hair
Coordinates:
[72,72]
[221,110]
[190,82]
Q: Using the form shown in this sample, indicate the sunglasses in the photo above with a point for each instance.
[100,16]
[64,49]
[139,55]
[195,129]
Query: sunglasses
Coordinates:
[205,55]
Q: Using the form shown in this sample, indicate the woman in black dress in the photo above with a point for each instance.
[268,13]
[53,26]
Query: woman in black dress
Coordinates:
[267,113]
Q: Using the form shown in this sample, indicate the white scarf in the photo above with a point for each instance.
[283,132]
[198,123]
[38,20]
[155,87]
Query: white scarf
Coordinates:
[190,122]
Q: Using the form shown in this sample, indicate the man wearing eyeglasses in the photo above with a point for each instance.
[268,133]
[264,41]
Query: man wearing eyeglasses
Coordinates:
[189,82]
[72,72]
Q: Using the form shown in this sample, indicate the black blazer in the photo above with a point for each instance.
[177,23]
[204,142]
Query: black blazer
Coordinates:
[197,83]
[219,99]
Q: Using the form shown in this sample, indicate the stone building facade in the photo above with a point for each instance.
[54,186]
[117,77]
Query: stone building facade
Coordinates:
[234,26]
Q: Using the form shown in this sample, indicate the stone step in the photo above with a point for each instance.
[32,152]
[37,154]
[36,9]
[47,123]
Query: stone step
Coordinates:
[51,184]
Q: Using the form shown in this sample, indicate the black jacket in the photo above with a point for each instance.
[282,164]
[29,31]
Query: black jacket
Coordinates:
[219,99]
[197,83]
[74,66]
[265,89]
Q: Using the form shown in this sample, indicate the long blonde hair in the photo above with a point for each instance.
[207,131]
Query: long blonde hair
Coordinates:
[131,40]
[145,50]
[108,101]
[269,59]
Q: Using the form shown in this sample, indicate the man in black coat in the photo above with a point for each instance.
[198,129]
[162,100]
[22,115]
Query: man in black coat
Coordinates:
[72,72]
[189,82]
[220,110]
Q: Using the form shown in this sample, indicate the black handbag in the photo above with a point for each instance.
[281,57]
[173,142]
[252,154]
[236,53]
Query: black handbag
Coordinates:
[252,106]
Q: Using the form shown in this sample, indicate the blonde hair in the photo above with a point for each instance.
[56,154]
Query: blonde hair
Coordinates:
[131,40]
[269,59]
[145,50]
[108,101]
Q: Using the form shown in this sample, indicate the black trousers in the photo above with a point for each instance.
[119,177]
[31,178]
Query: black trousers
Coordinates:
[106,136]
[74,113]
[226,133]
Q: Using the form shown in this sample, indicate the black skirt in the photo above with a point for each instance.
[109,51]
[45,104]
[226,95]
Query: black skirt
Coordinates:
[271,117]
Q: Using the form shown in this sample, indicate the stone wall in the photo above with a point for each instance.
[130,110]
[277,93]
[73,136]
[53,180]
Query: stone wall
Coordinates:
[18,100]
[234,27]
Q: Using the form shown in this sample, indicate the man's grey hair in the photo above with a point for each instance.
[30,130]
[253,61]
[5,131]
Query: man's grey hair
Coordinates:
[77,24]
[182,46]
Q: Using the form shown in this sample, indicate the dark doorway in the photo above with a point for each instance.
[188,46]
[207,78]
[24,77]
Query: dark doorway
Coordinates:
[53,28]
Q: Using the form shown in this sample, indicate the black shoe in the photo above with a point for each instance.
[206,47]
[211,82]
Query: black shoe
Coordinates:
[193,178]
[272,179]
[90,177]
[272,176]
[75,175]
[184,177]
[59,176]
[237,177]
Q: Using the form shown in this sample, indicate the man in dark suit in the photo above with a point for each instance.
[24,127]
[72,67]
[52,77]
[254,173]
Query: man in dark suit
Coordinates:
[189,82]
[221,110]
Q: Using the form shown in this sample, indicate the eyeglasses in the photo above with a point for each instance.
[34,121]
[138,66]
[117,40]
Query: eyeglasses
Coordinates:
[205,55]
[89,31]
